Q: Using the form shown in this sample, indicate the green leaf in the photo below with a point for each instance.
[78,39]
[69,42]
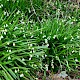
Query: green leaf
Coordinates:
[12,73]
[6,73]
[17,58]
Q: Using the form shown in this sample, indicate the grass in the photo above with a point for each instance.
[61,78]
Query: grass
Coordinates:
[37,35]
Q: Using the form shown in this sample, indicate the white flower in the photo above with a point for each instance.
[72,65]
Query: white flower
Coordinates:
[9,50]
[36,79]
[1,37]
[42,57]
[71,22]
[32,48]
[14,36]
[7,14]
[71,40]
[13,44]
[30,33]
[63,56]
[18,69]
[37,56]
[26,71]
[15,71]
[32,36]
[30,45]
[35,65]
[45,55]
[24,35]
[52,61]
[65,38]
[18,12]
[13,0]
[4,33]
[57,57]
[78,29]
[76,60]
[5,30]
[23,59]
[44,36]
[6,25]
[54,36]
[4,12]
[30,51]
[22,22]
[21,75]
[10,23]
[1,5]
[46,41]
[41,32]
[46,67]
[52,65]
[14,15]
[33,51]
[9,58]
[48,37]
[64,46]
[78,37]
[72,37]
[73,51]
[30,57]
[17,1]
[47,45]
[15,28]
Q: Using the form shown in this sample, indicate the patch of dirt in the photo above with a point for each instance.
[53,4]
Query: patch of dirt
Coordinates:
[58,76]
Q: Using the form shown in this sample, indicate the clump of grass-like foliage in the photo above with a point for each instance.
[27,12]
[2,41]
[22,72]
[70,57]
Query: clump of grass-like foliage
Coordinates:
[37,34]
